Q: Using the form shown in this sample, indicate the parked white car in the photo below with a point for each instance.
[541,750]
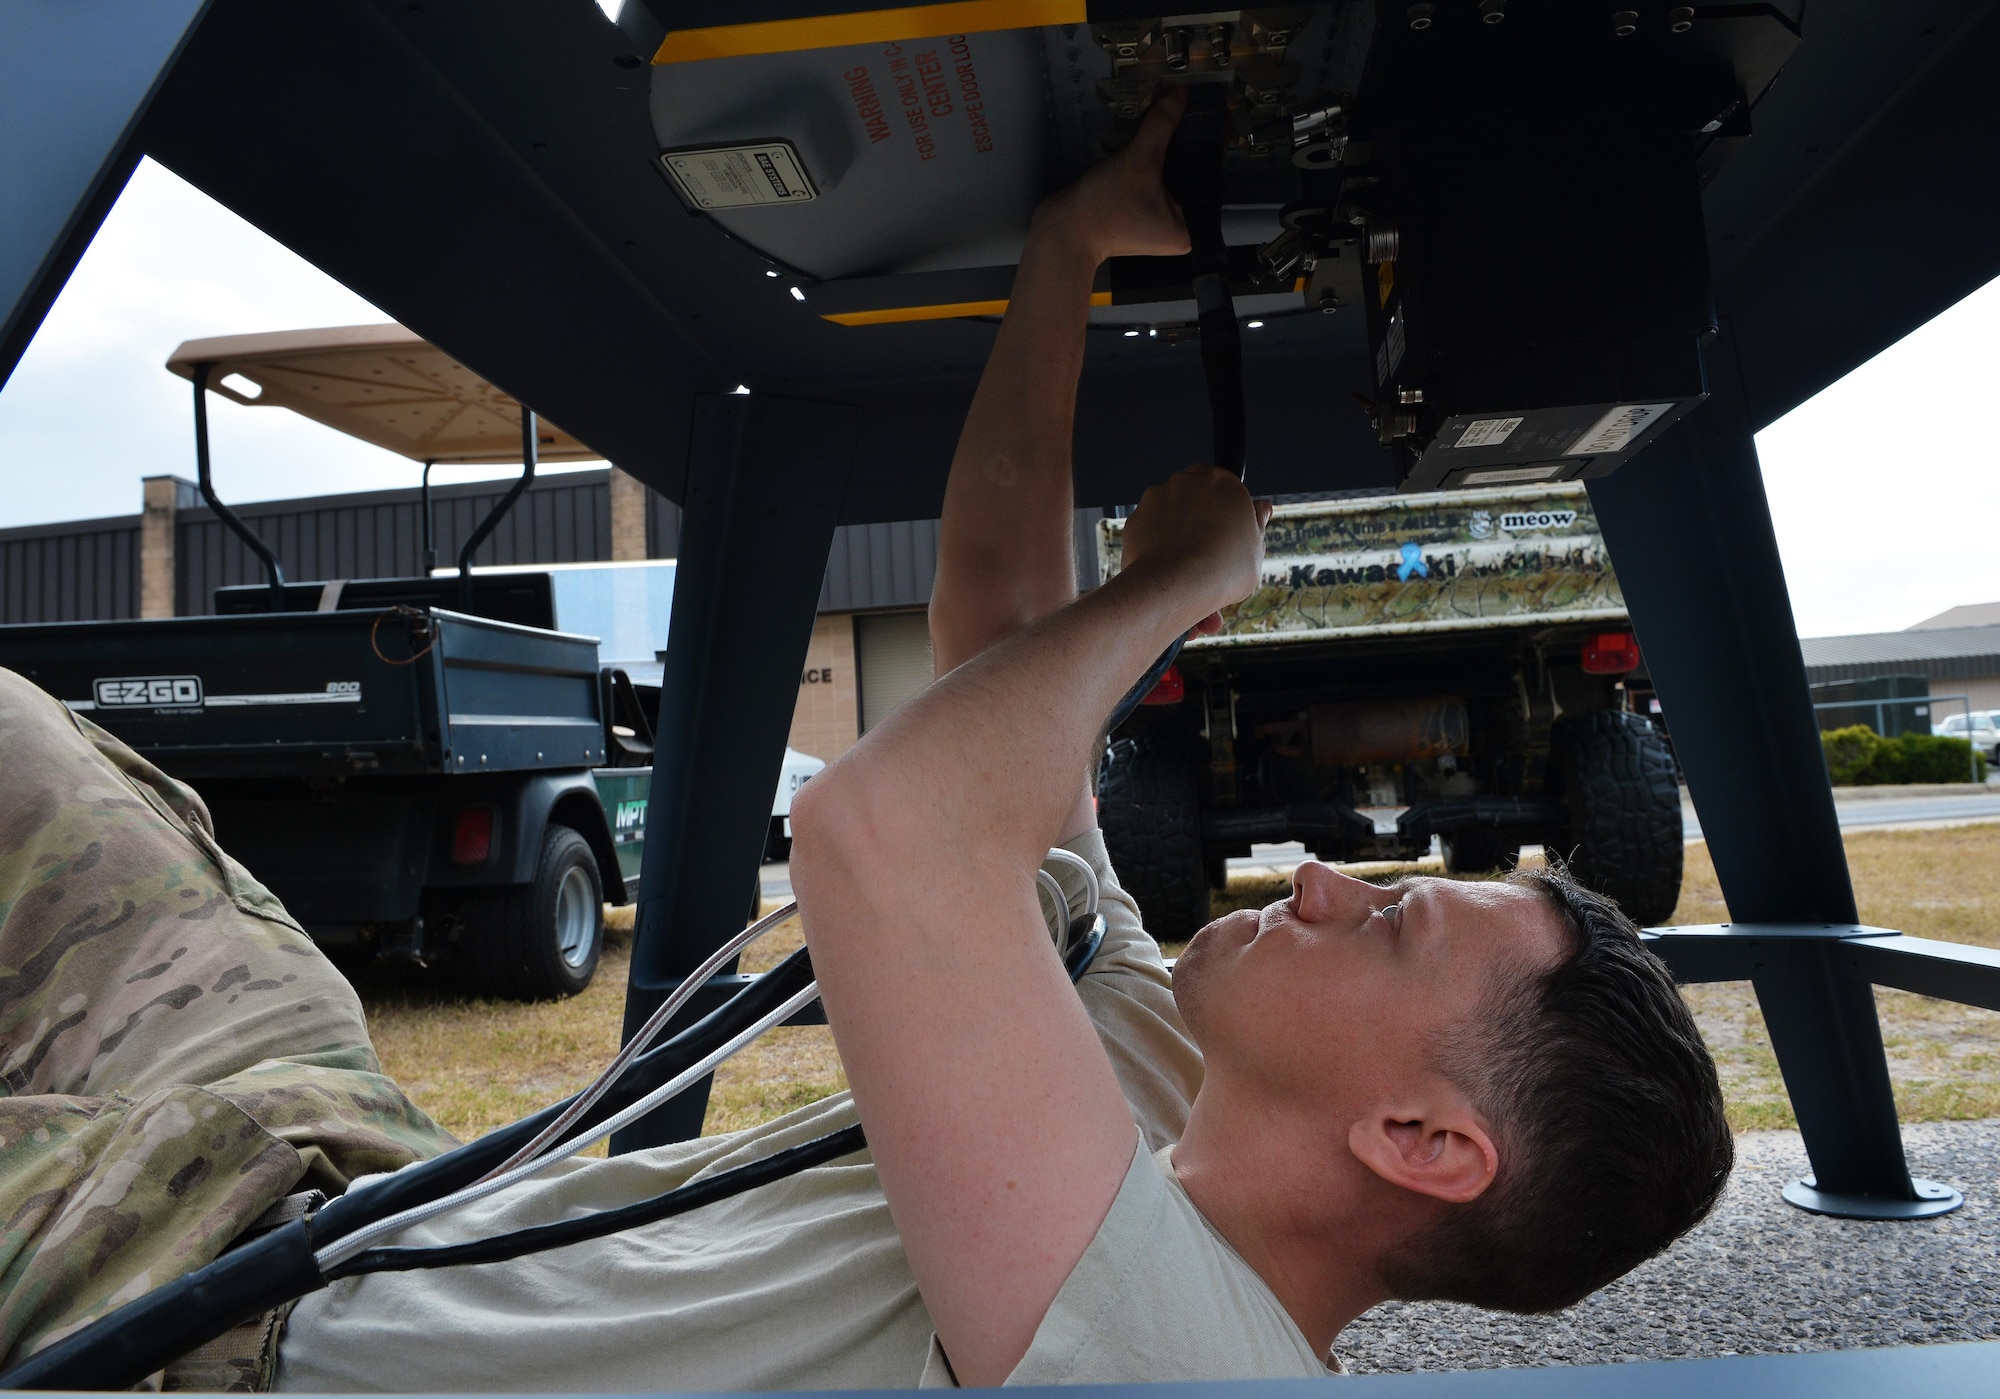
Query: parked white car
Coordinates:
[1984,730]
[792,776]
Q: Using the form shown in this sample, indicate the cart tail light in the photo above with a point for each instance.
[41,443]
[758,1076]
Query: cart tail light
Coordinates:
[1171,688]
[472,836]
[1611,653]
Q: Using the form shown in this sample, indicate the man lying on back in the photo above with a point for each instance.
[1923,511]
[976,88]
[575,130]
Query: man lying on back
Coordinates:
[1483,1092]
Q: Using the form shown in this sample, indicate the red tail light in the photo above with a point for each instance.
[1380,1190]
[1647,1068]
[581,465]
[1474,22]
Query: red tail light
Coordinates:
[472,836]
[1170,689]
[1611,653]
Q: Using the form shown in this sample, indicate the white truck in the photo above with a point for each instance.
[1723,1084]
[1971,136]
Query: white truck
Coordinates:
[1450,666]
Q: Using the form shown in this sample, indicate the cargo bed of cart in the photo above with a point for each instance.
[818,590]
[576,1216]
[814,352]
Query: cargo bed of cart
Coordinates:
[327,694]
[409,780]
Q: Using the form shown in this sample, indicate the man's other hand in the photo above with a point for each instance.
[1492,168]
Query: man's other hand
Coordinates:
[1200,531]
[1122,208]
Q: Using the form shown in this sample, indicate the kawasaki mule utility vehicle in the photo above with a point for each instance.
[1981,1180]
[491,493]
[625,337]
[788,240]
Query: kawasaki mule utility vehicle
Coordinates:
[1447,665]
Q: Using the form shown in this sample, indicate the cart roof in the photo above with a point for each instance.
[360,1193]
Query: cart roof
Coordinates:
[381,383]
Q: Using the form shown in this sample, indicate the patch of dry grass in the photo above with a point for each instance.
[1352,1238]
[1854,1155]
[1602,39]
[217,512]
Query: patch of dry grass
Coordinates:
[475,1065]
[1944,1059]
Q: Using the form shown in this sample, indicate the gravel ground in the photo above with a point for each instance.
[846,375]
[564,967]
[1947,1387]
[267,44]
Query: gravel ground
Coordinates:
[1758,1277]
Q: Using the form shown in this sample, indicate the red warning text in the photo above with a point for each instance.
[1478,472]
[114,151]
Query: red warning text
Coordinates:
[867,105]
[969,99]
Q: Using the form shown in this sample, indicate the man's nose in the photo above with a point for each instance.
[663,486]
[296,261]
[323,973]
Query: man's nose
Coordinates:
[1322,893]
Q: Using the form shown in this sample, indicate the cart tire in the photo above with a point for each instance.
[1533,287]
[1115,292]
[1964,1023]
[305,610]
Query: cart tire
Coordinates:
[1478,852]
[1149,806]
[539,941]
[1623,795]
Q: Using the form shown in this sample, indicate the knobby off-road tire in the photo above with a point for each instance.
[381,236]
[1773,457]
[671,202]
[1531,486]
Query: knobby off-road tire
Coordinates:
[1149,806]
[1623,795]
[539,941]
[1478,851]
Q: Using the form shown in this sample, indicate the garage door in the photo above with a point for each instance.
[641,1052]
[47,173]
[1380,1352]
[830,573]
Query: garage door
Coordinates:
[893,656]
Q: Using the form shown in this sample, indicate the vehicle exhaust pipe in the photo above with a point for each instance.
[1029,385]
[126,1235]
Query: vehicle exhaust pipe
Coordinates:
[1387,731]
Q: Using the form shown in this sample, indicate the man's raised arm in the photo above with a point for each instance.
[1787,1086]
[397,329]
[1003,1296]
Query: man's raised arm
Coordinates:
[1004,546]
[1004,543]
[997,1125]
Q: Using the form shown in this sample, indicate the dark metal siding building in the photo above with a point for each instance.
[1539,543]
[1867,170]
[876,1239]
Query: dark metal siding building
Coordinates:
[90,569]
[72,572]
[1956,660]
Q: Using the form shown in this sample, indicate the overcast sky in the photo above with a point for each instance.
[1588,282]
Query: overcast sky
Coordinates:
[1884,487]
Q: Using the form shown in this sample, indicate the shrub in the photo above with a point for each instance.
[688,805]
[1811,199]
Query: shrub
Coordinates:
[1935,758]
[1858,756]
[1849,753]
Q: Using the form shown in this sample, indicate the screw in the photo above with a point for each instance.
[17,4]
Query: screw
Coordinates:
[1625,23]
[1420,16]
[1492,11]
[1409,396]
[1680,19]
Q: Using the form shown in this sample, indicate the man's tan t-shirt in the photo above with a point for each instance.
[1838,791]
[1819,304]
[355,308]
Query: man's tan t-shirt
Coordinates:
[803,1283]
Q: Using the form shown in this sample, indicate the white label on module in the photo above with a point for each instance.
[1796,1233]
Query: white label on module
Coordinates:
[1486,432]
[1615,430]
[741,177]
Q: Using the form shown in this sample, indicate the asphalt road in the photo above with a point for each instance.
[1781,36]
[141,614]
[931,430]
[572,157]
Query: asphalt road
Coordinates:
[1895,811]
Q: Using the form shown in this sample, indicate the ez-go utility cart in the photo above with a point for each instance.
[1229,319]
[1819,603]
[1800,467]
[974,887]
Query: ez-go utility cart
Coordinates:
[419,767]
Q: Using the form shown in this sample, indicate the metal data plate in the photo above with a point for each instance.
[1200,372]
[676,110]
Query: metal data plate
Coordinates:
[741,177]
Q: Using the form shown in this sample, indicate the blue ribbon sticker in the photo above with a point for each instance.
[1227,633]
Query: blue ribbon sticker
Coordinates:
[1413,562]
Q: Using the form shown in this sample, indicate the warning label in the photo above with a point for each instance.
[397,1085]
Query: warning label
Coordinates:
[1615,430]
[739,177]
[1487,432]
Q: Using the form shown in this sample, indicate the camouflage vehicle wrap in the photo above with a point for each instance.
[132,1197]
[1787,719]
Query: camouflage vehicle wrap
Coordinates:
[1413,564]
[176,1058]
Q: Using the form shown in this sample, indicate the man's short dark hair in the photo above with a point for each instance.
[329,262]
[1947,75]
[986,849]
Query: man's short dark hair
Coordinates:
[1607,1113]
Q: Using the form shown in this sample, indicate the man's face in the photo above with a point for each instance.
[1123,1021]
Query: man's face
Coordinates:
[1341,996]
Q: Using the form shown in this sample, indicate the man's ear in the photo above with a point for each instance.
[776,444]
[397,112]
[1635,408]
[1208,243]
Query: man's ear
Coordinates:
[1438,1148]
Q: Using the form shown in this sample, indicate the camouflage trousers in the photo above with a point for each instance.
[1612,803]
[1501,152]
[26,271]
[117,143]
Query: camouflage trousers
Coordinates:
[176,1058]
